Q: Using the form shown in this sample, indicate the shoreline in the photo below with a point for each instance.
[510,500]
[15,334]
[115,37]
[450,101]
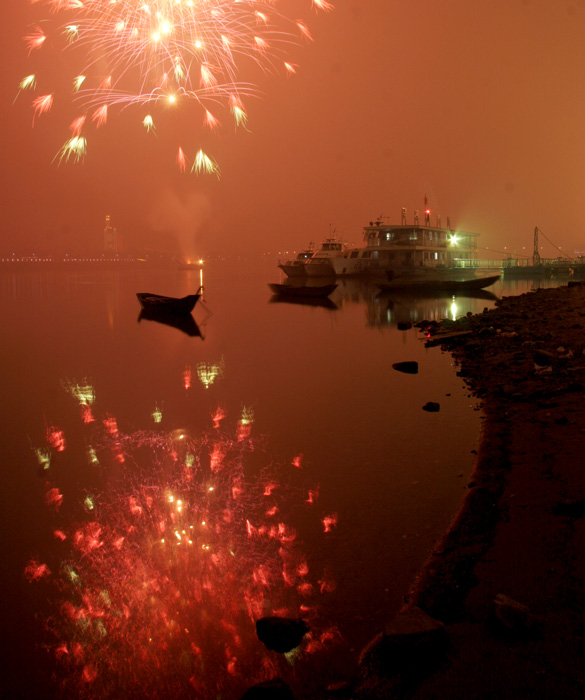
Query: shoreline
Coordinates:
[440,588]
[503,593]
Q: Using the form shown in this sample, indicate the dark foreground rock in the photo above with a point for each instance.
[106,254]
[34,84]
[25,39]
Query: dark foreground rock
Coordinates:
[275,689]
[408,644]
[408,367]
[281,634]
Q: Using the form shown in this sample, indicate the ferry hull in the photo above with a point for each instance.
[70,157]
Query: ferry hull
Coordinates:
[294,269]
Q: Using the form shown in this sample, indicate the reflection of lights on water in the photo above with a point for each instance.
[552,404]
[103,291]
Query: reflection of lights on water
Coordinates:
[85,395]
[245,423]
[453,309]
[187,378]
[208,372]
[247,417]
[163,572]
[56,438]
[43,457]
[298,461]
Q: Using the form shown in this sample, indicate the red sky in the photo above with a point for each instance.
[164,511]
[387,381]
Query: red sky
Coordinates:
[478,105]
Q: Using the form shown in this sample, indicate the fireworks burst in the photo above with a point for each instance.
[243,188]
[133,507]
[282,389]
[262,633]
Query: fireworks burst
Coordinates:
[159,575]
[154,54]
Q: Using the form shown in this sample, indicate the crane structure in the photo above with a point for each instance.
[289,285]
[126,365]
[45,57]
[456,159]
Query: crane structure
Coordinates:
[535,254]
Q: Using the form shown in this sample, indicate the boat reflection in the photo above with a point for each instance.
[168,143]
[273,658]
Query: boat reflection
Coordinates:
[403,310]
[400,308]
[185,322]
[323,302]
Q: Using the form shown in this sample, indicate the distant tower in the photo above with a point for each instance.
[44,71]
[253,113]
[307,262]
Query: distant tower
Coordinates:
[111,243]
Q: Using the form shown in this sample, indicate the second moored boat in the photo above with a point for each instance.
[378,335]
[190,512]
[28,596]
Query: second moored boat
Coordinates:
[320,263]
[296,267]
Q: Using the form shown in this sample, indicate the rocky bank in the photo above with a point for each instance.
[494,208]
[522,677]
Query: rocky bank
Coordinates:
[499,609]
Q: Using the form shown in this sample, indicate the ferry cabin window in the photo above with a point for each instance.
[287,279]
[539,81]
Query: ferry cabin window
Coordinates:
[412,236]
[389,235]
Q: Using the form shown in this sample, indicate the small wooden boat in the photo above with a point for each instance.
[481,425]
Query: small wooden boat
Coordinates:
[303,291]
[158,304]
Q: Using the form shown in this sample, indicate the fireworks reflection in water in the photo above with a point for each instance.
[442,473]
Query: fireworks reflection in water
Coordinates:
[159,574]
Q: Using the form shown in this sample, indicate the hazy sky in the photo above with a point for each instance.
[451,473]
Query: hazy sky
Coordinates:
[479,104]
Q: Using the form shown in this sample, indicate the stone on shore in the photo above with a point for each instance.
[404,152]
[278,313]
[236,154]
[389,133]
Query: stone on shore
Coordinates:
[281,634]
[513,615]
[543,358]
[408,367]
[411,643]
[275,689]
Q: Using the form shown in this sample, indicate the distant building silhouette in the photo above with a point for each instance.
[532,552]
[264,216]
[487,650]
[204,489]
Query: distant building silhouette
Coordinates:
[112,242]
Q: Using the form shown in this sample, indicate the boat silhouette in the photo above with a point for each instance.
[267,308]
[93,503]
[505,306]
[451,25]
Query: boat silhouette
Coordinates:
[157,303]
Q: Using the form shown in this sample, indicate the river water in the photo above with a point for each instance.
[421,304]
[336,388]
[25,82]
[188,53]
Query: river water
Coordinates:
[162,491]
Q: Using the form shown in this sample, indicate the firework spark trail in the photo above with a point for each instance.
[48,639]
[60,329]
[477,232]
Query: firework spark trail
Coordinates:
[159,585]
[159,53]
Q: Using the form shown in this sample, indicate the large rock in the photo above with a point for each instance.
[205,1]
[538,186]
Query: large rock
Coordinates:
[281,634]
[543,358]
[275,689]
[513,615]
[412,642]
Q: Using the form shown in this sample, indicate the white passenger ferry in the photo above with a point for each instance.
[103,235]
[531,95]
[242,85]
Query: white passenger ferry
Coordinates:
[398,250]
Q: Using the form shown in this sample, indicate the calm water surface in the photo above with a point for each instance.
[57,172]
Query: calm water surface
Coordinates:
[331,484]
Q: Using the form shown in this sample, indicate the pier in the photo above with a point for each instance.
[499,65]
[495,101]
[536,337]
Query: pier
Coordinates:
[523,267]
